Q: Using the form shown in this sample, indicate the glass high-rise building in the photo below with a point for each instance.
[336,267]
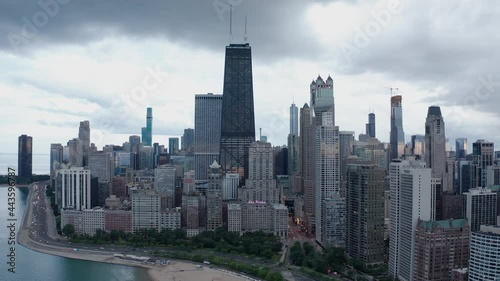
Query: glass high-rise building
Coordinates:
[370,126]
[293,141]
[25,156]
[238,120]
[461,148]
[84,136]
[397,137]
[482,157]
[294,120]
[147,132]
[173,146]
[187,140]
[207,122]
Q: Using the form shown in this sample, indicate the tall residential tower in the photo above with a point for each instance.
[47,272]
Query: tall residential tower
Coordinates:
[147,132]
[25,156]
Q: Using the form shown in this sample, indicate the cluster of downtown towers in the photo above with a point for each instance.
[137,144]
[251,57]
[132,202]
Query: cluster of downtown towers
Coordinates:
[353,193]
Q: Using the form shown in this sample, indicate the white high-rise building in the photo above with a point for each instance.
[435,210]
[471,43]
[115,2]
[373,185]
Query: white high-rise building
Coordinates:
[484,262]
[411,199]
[75,188]
[480,207]
[327,171]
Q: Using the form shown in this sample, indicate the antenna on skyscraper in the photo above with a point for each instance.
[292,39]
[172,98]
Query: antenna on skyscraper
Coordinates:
[246,34]
[231,22]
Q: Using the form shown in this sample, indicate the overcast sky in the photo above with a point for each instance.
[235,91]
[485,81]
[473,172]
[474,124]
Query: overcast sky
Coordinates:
[106,61]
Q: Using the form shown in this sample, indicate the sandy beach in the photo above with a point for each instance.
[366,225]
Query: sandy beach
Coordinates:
[175,270]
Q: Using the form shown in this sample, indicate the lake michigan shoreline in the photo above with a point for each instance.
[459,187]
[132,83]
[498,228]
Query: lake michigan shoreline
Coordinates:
[24,240]
[179,270]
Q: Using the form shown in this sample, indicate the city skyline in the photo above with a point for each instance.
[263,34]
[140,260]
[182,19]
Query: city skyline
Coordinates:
[323,139]
[420,90]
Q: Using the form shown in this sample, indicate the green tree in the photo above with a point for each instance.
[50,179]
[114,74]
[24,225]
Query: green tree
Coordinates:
[68,230]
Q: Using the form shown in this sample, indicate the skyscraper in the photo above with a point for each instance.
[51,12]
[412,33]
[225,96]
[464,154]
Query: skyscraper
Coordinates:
[294,120]
[75,188]
[214,197]
[411,200]
[207,122]
[480,207]
[418,146]
[164,184]
[187,140]
[25,156]
[293,141]
[482,157]
[56,159]
[435,145]
[173,146]
[84,136]
[238,120]
[461,148]
[397,137]
[365,213]
[307,154]
[147,132]
[76,152]
[370,126]
[327,171]
[260,185]
[322,98]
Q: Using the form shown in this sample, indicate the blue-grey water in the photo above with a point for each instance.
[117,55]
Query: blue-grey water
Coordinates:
[35,266]
[40,163]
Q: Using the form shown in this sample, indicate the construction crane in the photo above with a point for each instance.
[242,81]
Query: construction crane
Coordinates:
[392,89]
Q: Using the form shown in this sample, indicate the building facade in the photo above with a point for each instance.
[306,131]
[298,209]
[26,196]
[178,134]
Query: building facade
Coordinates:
[327,171]
[411,200]
[440,247]
[365,213]
[207,122]
[147,132]
[484,264]
[237,119]
[480,207]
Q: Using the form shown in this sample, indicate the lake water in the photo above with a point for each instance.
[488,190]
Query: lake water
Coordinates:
[35,266]
[41,163]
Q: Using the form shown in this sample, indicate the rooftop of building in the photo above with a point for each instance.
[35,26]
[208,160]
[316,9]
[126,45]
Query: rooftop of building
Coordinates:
[492,229]
[494,188]
[478,191]
[434,111]
[445,224]
[234,207]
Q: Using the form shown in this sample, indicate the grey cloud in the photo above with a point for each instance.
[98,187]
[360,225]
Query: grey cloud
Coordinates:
[274,30]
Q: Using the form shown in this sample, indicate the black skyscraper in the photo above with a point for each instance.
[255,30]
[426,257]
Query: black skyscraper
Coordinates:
[237,122]
[24,157]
